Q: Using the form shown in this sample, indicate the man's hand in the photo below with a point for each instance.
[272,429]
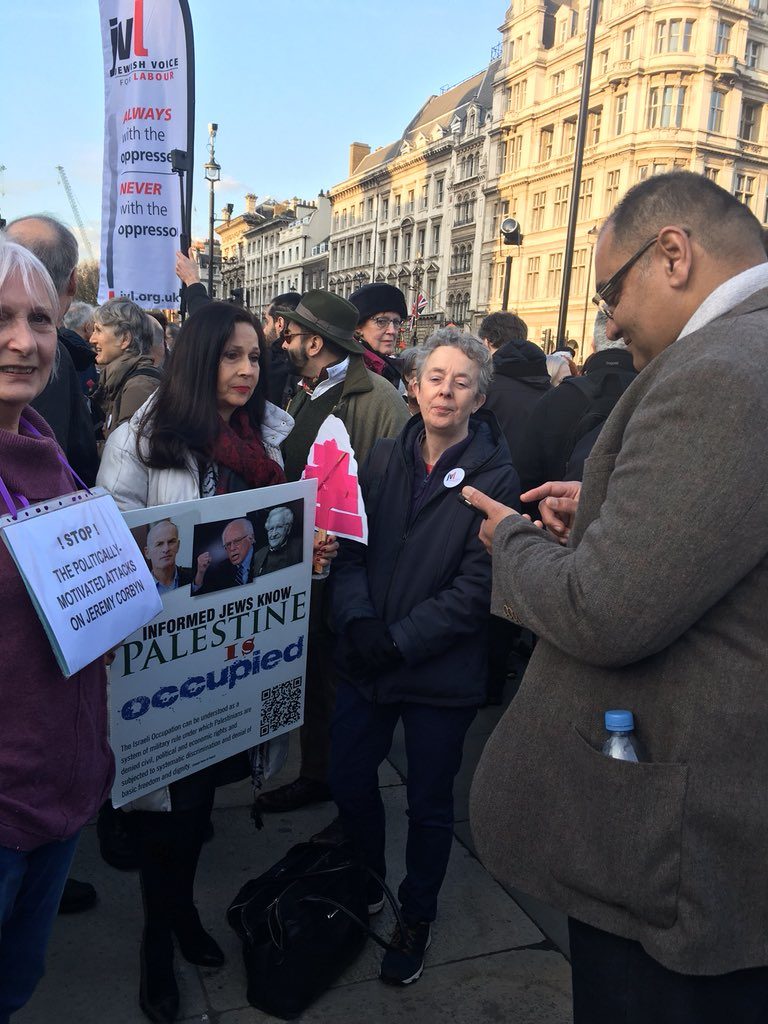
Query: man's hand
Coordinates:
[558,501]
[493,511]
[187,269]
[203,561]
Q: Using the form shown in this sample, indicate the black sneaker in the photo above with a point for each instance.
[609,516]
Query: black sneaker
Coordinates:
[299,793]
[405,962]
[77,896]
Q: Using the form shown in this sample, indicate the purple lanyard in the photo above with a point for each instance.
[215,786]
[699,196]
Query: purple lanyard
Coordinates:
[8,497]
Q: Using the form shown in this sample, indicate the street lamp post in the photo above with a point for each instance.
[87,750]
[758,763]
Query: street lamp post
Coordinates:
[592,236]
[418,274]
[212,174]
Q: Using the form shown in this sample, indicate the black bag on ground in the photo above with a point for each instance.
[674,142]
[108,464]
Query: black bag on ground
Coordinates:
[302,923]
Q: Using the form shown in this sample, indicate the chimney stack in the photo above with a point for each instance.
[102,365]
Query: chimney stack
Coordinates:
[250,203]
[357,151]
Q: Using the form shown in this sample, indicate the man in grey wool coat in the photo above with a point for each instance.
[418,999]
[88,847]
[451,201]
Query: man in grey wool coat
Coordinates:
[655,601]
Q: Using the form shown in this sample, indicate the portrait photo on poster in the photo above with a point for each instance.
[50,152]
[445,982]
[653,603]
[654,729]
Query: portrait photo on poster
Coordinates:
[231,553]
[160,542]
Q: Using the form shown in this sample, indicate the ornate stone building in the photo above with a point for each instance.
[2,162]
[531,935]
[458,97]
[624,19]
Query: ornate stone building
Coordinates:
[674,84]
[409,212]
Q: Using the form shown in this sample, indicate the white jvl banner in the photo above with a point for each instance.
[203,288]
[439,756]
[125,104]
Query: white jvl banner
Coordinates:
[145,117]
[222,667]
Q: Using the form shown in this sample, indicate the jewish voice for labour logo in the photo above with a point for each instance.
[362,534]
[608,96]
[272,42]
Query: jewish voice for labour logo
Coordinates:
[127,37]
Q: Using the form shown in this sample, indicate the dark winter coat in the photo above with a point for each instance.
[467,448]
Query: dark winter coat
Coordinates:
[548,439]
[63,406]
[425,574]
[520,380]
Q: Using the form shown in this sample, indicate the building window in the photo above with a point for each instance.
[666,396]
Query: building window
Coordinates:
[579,73]
[545,144]
[395,248]
[594,122]
[603,60]
[578,268]
[516,155]
[385,209]
[711,173]
[532,277]
[411,201]
[425,196]
[716,105]
[749,125]
[421,242]
[368,249]
[672,106]
[558,83]
[627,41]
[439,191]
[723,37]
[554,273]
[537,210]
[621,114]
[359,252]
[560,211]
[517,96]
[398,205]
[612,180]
[435,239]
[407,245]
[753,55]
[382,251]
[369,203]
[569,137]
[501,157]
[744,189]
[585,197]
[652,109]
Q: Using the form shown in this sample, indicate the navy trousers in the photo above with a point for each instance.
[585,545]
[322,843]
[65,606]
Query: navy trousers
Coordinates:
[614,979]
[361,737]
[31,884]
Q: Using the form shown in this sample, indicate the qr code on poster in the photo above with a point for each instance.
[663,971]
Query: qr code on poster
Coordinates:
[280,706]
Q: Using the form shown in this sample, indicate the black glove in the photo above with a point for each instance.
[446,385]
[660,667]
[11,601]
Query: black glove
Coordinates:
[370,647]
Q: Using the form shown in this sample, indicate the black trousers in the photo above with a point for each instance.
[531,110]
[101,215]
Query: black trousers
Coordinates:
[615,980]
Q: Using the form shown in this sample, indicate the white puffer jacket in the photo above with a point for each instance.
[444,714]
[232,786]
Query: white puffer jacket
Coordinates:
[134,485]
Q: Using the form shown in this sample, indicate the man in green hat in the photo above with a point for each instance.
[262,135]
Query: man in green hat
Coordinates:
[320,342]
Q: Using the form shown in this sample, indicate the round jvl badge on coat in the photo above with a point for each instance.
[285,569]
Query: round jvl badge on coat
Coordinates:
[454,477]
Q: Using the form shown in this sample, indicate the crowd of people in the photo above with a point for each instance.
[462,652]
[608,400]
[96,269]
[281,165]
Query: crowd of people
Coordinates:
[610,517]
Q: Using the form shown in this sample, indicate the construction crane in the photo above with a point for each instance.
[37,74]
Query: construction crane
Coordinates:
[75,209]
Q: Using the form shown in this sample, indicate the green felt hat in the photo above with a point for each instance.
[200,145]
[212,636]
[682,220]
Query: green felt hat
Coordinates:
[328,315]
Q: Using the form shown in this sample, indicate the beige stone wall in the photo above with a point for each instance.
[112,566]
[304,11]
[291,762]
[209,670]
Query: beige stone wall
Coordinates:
[656,67]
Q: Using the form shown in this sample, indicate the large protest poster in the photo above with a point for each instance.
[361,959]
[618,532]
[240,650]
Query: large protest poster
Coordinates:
[222,667]
[145,117]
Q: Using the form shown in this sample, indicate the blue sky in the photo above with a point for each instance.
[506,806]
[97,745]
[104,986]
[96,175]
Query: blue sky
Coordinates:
[290,84]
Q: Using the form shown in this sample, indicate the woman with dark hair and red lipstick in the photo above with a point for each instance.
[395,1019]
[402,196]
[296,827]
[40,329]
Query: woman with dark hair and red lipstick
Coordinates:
[207,430]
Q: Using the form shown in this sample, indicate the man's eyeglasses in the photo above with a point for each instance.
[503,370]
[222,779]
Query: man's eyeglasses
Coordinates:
[290,335]
[234,542]
[606,297]
[382,322]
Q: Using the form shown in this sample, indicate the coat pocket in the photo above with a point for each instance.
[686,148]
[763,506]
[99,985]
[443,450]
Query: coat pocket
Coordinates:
[621,831]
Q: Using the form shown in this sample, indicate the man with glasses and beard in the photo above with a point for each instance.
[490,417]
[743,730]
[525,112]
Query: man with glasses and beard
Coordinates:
[655,604]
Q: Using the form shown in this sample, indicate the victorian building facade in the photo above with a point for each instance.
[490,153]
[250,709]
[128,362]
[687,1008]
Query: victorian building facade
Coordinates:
[673,85]
[409,213]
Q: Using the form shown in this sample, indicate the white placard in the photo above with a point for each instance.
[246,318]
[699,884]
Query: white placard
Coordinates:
[145,117]
[84,573]
[222,667]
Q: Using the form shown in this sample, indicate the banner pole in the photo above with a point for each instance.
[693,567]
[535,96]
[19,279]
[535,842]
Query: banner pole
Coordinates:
[186,200]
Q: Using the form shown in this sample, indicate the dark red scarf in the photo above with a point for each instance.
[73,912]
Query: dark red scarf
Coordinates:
[239,451]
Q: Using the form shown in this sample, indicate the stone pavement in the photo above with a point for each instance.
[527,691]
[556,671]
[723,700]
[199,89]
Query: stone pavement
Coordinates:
[489,961]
